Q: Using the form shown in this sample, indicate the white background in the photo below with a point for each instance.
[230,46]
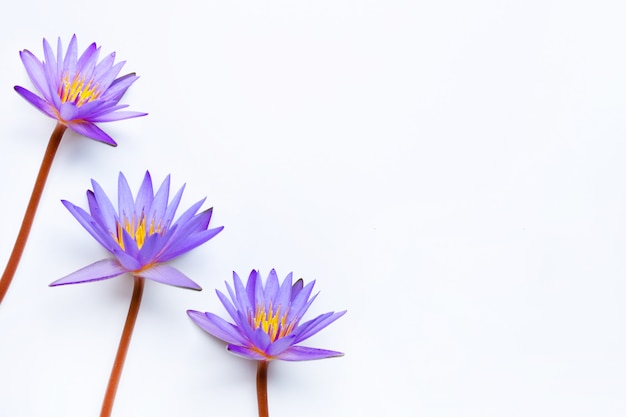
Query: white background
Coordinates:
[450,172]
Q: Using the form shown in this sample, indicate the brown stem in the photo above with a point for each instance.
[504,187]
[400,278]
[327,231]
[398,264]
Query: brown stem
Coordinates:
[261,388]
[120,357]
[31,209]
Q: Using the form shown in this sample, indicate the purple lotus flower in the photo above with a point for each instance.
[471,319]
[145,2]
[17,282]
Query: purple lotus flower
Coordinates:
[141,234]
[267,319]
[78,92]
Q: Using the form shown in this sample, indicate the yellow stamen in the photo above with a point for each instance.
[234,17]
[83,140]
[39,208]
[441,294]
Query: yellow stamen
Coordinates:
[139,230]
[78,90]
[272,322]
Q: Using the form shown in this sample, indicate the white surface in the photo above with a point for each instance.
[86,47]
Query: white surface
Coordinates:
[450,172]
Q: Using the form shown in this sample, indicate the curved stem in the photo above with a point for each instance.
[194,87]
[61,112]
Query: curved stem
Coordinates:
[120,357]
[261,388]
[31,209]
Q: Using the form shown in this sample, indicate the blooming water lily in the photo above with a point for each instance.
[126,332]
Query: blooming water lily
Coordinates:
[141,234]
[78,91]
[267,319]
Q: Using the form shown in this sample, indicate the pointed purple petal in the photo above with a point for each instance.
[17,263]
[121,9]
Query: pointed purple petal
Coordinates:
[259,299]
[56,63]
[232,294]
[106,215]
[69,112]
[92,132]
[38,102]
[301,353]
[87,61]
[189,243]
[166,274]
[36,73]
[115,116]
[71,56]
[89,224]
[159,202]
[124,78]
[129,262]
[103,66]
[104,269]
[251,284]
[241,296]
[299,313]
[311,327]
[246,353]
[260,339]
[280,345]
[283,298]
[145,195]
[217,327]
[107,80]
[118,88]
[53,69]
[297,287]
[189,213]
[130,245]
[149,252]
[96,108]
[171,208]
[301,302]
[196,224]
[125,200]
[271,287]
[230,309]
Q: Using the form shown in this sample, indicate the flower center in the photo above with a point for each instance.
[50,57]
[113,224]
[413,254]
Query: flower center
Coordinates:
[138,229]
[78,90]
[272,322]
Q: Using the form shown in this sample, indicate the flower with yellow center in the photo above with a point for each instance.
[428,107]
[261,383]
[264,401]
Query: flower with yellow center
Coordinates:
[78,91]
[142,234]
[267,319]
